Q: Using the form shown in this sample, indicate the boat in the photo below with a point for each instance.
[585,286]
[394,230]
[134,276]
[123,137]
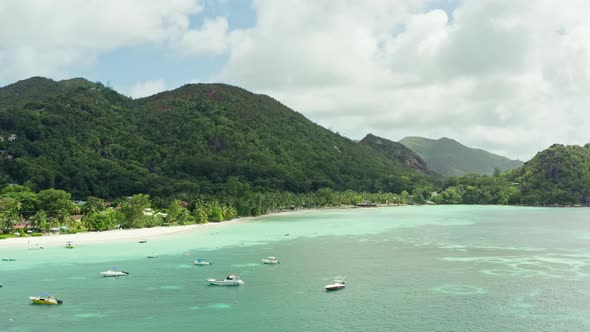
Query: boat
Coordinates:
[45,299]
[230,280]
[142,241]
[270,260]
[338,284]
[114,273]
[153,256]
[9,259]
[201,261]
[69,245]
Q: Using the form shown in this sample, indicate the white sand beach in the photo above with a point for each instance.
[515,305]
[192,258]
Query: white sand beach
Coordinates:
[55,240]
[59,240]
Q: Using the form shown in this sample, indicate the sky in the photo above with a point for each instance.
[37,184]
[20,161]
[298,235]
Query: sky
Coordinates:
[508,76]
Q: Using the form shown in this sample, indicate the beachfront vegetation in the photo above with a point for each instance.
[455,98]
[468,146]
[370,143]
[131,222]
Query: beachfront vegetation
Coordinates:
[211,152]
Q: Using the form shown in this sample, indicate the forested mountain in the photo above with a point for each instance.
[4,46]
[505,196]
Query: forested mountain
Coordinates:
[557,175]
[396,151]
[87,139]
[450,158]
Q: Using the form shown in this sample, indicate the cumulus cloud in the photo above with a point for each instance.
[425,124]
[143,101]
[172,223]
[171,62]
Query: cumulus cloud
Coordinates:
[147,88]
[509,76]
[211,38]
[52,37]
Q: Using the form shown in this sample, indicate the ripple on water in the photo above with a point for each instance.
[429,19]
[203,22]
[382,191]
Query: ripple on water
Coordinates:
[219,306]
[460,290]
[184,266]
[89,315]
[170,287]
[245,265]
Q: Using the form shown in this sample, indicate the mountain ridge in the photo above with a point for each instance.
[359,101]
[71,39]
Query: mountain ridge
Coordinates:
[449,157]
[88,139]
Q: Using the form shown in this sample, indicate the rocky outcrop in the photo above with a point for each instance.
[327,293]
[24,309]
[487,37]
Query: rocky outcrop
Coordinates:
[397,151]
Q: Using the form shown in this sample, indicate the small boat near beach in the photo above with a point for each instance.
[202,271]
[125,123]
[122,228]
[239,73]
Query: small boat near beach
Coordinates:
[271,260]
[69,245]
[338,284]
[202,262]
[142,241]
[114,273]
[8,259]
[45,299]
[230,280]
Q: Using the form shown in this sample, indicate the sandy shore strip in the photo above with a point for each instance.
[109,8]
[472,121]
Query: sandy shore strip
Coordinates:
[138,234]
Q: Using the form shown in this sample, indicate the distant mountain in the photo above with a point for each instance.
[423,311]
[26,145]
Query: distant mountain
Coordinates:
[557,175]
[396,151]
[450,158]
[200,139]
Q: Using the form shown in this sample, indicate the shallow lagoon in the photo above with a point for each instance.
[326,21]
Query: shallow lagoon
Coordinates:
[443,268]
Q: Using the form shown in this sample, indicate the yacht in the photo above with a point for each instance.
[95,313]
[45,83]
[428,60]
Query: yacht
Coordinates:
[201,261]
[230,280]
[45,299]
[338,284]
[270,260]
[114,273]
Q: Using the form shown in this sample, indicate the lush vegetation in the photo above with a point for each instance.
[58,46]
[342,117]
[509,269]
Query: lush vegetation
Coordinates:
[559,175]
[52,208]
[198,140]
[450,158]
[211,152]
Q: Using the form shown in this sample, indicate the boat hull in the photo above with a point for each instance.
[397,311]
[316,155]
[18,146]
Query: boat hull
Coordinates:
[47,301]
[225,282]
[114,274]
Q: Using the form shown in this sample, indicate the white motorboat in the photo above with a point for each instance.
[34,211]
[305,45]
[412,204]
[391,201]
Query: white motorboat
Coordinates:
[270,260]
[230,280]
[201,261]
[114,273]
[338,284]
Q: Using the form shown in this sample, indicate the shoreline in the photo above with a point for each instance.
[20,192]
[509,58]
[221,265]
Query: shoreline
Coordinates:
[137,234]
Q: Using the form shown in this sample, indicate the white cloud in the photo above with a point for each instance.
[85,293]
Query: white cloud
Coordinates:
[510,76]
[52,37]
[147,88]
[210,39]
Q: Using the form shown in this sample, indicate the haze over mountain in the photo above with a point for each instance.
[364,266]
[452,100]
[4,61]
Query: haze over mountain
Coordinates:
[451,158]
[90,140]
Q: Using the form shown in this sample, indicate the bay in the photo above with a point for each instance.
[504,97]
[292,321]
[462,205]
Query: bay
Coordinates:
[428,268]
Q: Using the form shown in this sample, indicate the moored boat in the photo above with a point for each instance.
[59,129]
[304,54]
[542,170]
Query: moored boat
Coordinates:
[338,284]
[271,260]
[69,245]
[45,299]
[201,261]
[231,280]
[114,273]
[142,241]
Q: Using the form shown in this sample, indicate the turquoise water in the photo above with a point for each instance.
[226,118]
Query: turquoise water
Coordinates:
[440,268]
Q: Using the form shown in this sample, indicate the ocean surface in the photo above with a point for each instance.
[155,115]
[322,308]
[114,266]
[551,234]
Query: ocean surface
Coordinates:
[429,268]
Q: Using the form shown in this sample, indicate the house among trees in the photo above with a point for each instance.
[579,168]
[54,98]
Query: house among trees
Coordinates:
[12,138]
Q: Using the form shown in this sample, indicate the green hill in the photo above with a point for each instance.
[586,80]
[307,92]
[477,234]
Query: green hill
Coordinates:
[198,139]
[396,151]
[450,158]
[557,175]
